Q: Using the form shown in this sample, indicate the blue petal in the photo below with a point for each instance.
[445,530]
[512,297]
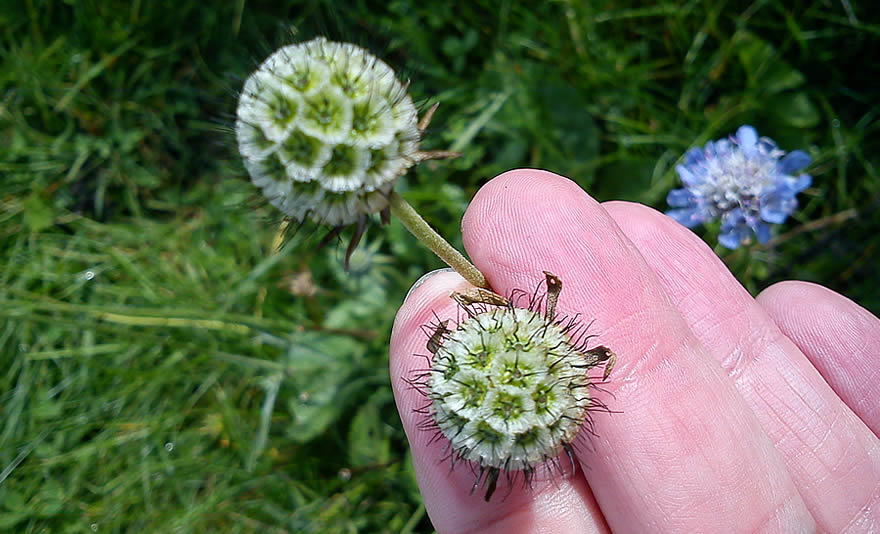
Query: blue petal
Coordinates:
[694,156]
[722,147]
[763,232]
[777,207]
[774,214]
[680,198]
[794,161]
[803,181]
[747,137]
[774,207]
[689,217]
[730,239]
[687,177]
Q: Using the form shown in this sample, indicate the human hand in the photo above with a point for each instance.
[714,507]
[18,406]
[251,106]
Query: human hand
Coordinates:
[736,414]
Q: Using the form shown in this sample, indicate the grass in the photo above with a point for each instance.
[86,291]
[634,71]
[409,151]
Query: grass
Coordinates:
[169,367]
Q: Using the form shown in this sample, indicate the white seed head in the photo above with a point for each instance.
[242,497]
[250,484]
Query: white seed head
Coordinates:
[325,129]
[509,388]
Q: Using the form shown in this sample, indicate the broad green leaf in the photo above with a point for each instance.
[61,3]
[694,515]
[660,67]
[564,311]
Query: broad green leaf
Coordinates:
[369,438]
[313,412]
[310,353]
[366,308]
[766,72]
[322,373]
[795,109]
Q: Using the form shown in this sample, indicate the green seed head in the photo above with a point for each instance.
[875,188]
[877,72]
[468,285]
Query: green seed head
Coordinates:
[326,129]
[509,388]
[509,375]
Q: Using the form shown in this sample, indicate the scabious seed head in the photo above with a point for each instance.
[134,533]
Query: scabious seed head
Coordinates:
[508,389]
[325,129]
[746,181]
[509,386]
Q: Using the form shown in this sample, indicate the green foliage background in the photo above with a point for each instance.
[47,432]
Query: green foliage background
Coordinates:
[166,370]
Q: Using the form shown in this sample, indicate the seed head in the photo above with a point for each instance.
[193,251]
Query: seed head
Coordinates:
[325,129]
[509,386]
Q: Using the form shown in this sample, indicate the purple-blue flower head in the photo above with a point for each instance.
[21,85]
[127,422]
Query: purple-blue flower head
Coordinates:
[746,181]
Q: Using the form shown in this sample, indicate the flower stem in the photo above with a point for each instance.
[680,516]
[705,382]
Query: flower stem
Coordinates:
[434,241]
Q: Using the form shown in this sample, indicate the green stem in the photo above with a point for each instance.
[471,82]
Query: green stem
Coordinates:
[434,241]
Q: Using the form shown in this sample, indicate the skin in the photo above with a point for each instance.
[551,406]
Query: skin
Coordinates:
[736,414]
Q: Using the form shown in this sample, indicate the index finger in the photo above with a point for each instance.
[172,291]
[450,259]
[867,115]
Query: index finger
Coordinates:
[685,451]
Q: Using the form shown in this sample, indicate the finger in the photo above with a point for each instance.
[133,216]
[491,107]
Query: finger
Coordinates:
[841,339]
[832,456]
[550,505]
[685,451]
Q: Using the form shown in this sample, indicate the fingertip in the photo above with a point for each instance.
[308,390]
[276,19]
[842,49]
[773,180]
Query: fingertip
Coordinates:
[798,305]
[838,336]
[527,221]
[793,290]
[516,195]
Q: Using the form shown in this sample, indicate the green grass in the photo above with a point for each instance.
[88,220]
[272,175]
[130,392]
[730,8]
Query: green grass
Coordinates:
[166,370]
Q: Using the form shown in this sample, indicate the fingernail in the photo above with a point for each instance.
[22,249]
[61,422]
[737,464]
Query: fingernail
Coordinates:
[424,278]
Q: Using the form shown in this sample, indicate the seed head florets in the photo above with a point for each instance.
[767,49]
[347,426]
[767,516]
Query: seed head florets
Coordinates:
[325,130]
[509,386]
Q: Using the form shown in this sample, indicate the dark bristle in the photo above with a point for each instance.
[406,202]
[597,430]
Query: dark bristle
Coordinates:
[331,235]
[359,230]
[491,482]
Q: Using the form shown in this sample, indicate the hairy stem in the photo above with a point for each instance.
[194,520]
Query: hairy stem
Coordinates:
[434,241]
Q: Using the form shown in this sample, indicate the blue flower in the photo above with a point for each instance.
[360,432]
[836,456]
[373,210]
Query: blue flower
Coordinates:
[746,181]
